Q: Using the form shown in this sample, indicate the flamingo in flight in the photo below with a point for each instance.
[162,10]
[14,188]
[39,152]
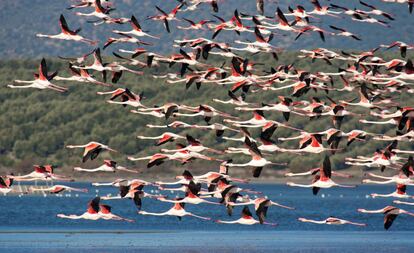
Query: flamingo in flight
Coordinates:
[322,180]
[195,26]
[108,166]
[332,221]
[100,11]
[285,106]
[246,219]
[185,179]
[402,178]
[127,97]
[163,138]
[257,161]
[67,34]
[261,205]
[132,191]
[80,75]
[136,29]
[42,80]
[126,38]
[322,10]
[58,189]
[105,212]
[314,171]
[177,210]
[381,158]
[390,214]
[5,184]
[121,181]
[234,100]
[310,143]
[400,192]
[166,18]
[92,212]
[343,32]
[194,146]
[191,196]
[95,211]
[375,11]
[91,149]
[401,45]
[41,172]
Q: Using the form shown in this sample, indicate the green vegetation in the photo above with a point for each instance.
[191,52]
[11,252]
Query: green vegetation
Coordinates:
[37,124]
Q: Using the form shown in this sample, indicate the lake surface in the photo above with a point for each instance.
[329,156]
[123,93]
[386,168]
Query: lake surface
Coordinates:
[28,223]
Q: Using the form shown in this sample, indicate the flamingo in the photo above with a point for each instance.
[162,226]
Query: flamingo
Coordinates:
[194,146]
[121,181]
[177,210]
[332,221]
[323,180]
[41,172]
[58,189]
[398,179]
[205,111]
[164,17]
[91,149]
[382,158]
[41,81]
[343,32]
[5,184]
[127,97]
[261,205]
[234,100]
[133,191]
[401,45]
[114,67]
[399,193]
[136,29]
[246,219]
[67,34]
[195,26]
[78,60]
[181,156]
[92,212]
[285,106]
[163,138]
[283,23]
[191,196]
[99,12]
[390,214]
[88,3]
[174,124]
[126,38]
[80,75]
[375,11]
[108,166]
[322,10]
[257,161]
[315,171]
[95,211]
[185,179]
[106,214]
[310,143]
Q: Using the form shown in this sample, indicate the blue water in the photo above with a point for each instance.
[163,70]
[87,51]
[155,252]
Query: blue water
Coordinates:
[29,224]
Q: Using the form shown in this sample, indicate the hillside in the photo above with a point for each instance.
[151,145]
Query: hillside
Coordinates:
[36,125]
